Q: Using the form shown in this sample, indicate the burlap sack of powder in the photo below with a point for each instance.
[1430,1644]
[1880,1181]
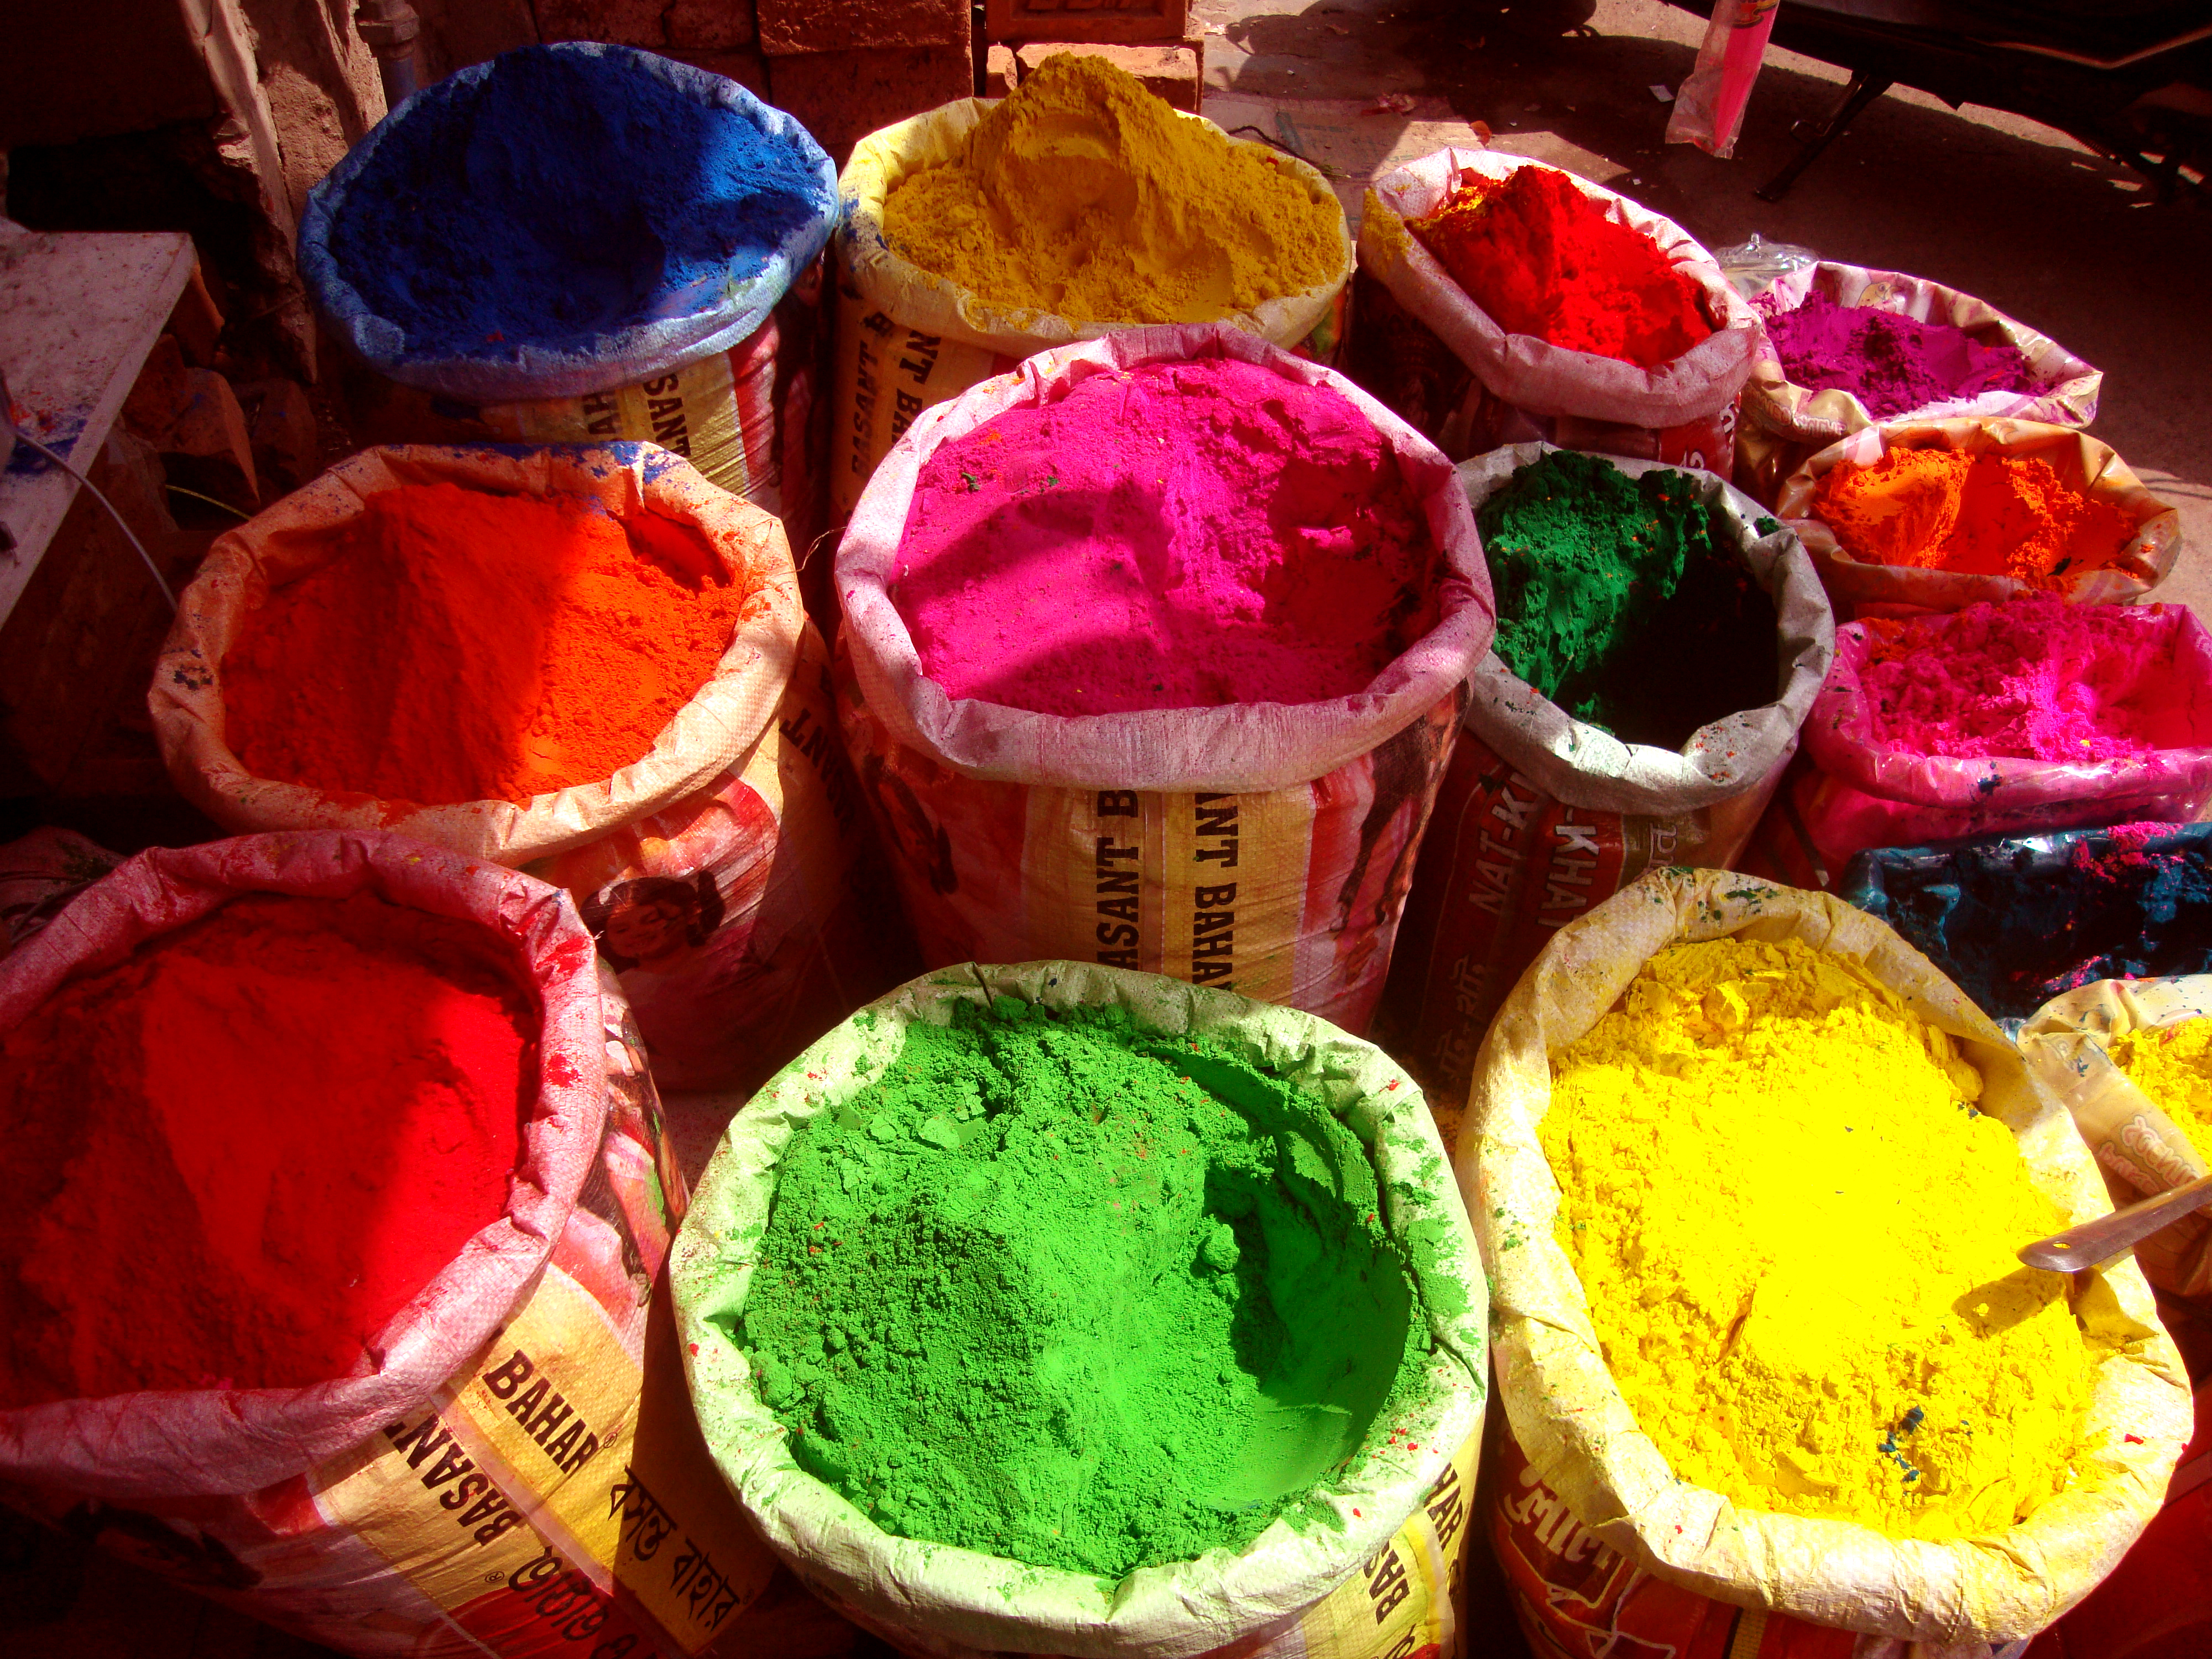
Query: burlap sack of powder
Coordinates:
[1784,422]
[994,817]
[1910,1598]
[730,841]
[502,1472]
[1273,1599]
[1499,388]
[907,338]
[2081,462]
[1541,815]
[2140,1149]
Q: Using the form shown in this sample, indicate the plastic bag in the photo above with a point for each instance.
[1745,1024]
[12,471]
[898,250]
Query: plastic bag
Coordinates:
[1265,845]
[1709,108]
[2080,461]
[2018,920]
[1427,349]
[733,309]
[907,338]
[1783,423]
[428,1507]
[1755,264]
[1541,817]
[2141,1150]
[943,1601]
[1582,1444]
[1862,792]
[722,871]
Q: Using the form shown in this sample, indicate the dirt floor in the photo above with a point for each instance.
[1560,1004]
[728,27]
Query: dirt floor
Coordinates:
[1991,204]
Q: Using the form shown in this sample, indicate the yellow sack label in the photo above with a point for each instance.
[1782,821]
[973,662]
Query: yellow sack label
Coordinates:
[692,410]
[886,374]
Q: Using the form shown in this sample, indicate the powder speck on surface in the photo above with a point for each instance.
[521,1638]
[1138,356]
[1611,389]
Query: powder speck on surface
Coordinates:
[1892,364]
[1985,515]
[1068,1293]
[1084,195]
[2172,1064]
[561,198]
[234,1155]
[1795,1230]
[462,646]
[2016,921]
[1178,535]
[1614,602]
[2032,679]
[1546,260]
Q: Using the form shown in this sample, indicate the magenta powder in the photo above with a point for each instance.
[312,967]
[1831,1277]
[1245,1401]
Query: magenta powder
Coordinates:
[1893,365]
[2034,679]
[1175,536]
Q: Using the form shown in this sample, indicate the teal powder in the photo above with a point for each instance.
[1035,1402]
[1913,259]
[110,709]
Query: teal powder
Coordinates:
[1615,600]
[1063,1291]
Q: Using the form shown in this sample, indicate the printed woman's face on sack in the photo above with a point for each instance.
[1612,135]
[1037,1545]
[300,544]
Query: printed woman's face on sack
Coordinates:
[649,932]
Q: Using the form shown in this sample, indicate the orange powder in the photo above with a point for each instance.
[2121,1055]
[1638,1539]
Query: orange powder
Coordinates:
[1986,515]
[462,646]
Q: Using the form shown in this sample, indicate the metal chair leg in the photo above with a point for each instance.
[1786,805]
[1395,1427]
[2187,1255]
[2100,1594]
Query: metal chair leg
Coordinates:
[1863,90]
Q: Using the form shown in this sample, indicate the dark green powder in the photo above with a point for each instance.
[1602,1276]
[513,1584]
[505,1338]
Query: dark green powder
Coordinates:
[1064,1292]
[1615,601]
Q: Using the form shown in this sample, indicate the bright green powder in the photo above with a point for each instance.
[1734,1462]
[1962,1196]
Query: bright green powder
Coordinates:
[1615,601]
[1061,1290]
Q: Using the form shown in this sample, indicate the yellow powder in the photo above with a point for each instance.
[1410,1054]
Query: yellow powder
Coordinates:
[1797,1233]
[2172,1064]
[1085,195]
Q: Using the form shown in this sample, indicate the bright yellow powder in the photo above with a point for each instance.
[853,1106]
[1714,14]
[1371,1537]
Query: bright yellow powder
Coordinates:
[1796,1234]
[1085,195]
[2172,1064]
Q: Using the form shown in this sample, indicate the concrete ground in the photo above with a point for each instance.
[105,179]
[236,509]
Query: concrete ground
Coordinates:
[1991,204]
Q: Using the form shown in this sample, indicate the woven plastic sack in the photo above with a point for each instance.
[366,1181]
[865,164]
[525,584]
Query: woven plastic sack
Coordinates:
[1783,423]
[516,1471]
[1427,349]
[2015,920]
[907,338]
[39,874]
[2080,460]
[960,1604]
[1541,815]
[729,312]
[1263,847]
[2140,1149]
[1859,793]
[721,871]
[1959,1600]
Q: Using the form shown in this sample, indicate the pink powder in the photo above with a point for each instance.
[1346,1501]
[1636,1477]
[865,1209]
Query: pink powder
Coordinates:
[2034,679]
[1893,364]
[1175,536]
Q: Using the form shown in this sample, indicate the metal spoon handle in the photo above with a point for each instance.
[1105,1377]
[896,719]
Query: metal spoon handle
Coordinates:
[2100,1240]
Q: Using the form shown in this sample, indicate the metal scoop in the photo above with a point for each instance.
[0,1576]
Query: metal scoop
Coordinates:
[2101,1240]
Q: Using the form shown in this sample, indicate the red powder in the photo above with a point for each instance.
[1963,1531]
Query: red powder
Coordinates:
[462,646]
[232,1157]
[1544,259]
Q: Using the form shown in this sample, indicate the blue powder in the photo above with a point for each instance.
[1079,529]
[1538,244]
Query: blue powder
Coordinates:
[559,197]
[2015,920]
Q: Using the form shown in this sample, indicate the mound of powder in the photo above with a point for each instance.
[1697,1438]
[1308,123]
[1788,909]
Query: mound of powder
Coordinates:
[1062,1291]
[1614,601]
[234,1155]
[559,197]
[1986,515]
[1892,364]
[2017,920]
[1084,195]
[2034,679]
[460,646]
[1546,260]
[1795,1230]
[1178,535]
[2172,1064]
